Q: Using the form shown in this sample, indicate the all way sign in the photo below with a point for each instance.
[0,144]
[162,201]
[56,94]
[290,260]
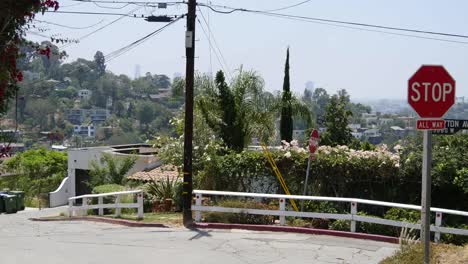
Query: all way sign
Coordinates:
[425,124]
[452,126]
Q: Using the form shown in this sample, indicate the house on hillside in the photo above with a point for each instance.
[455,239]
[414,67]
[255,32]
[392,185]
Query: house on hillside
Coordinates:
[99,115]
[84,94]
[84,130]
[76,116]
[79,166]
[373,136]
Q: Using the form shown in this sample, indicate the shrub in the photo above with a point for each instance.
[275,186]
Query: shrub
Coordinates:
[456,239]
[108,188]
[323,207]
[363,227]
[161,190]
[242,218]
[406,215]
[341,225]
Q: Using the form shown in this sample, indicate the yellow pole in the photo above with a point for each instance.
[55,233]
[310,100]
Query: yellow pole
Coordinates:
[278,175]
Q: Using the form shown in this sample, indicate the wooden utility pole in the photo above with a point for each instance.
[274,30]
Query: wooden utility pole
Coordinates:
[188,130]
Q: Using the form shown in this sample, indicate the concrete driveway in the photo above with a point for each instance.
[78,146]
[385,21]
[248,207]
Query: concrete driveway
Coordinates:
[23,241]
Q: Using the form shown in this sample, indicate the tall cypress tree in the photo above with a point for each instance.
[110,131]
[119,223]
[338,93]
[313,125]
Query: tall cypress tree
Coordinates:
[286,123]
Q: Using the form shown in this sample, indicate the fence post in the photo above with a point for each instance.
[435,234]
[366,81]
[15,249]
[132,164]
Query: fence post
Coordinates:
[353,213]
[117,206]
[84,206]
[140,205]
[282,207]
[100,202]
[70,208]
[198,202]
[438,223]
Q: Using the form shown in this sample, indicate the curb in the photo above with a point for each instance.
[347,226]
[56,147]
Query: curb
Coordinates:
[300,230]
[268,228]
[123,222]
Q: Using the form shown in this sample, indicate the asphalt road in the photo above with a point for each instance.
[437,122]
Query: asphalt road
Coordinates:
[24,241]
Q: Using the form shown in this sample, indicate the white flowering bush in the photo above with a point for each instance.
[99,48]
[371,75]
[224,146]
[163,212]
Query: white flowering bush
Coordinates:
[336,171]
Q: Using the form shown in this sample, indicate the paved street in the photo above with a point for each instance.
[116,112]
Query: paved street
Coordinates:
[23,241]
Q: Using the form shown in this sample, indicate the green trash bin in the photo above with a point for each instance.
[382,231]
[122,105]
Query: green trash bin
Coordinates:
[9,201]
[19,199]
[2,207]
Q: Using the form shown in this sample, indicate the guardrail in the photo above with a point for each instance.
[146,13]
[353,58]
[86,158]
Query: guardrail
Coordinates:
[352,216]
[117,205]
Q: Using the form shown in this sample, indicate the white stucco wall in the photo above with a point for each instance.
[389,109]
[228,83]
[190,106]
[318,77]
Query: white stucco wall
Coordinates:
[82,158]
[60,196]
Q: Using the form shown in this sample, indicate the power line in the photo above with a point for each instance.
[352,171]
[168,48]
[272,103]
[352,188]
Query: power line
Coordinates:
[117,53]
[332,21]
[65,26]
[110,7]
[132,2]
[101,28]
[93,13]
[287,7]
[210,46]
[216,43]
[209,39]
[378,31]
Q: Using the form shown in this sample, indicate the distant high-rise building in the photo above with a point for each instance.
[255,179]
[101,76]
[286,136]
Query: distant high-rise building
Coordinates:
[137,71]
[310,86]
[177,75]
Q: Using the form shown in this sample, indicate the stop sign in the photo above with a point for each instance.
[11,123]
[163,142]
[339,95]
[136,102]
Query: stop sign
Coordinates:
[431,91]
[313,141]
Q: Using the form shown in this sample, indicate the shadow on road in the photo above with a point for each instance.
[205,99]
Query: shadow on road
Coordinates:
[200,233]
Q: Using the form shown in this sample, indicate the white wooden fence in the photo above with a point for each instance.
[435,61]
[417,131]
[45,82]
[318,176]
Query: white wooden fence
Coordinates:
[352,216]
[117,205]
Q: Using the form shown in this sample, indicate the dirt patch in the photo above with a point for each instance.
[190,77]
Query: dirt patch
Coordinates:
[451,254]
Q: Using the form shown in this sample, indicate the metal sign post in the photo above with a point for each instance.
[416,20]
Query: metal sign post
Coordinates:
[305,184]
[426,194]
[431,93]
[313,144]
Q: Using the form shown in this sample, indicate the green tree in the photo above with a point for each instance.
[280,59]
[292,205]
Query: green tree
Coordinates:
[40,111]
[321,99]
[178,87]
[230,130]
[337,118]
[100,62]
[249,115]
[43,170]
[112,170]
[14,20]
[286,123]
[145,113]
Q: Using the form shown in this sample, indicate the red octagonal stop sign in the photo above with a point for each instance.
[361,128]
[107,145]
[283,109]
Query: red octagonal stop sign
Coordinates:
[314,141]
[431,91]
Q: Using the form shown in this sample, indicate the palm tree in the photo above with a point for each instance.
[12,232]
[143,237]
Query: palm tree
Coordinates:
[113,170]
[238,111]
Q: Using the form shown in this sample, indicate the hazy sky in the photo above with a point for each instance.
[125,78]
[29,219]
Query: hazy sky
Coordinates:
[367,64]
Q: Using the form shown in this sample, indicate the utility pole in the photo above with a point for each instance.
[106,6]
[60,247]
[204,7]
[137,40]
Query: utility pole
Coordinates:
[188,130]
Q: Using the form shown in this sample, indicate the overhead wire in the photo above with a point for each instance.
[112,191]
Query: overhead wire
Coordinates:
[110,7]
[66,26]
[216,44]
[117,53]
[92,13]
[287,7]
[101,28]
[131,2]
[211,47]
[381,31]
[349,23]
